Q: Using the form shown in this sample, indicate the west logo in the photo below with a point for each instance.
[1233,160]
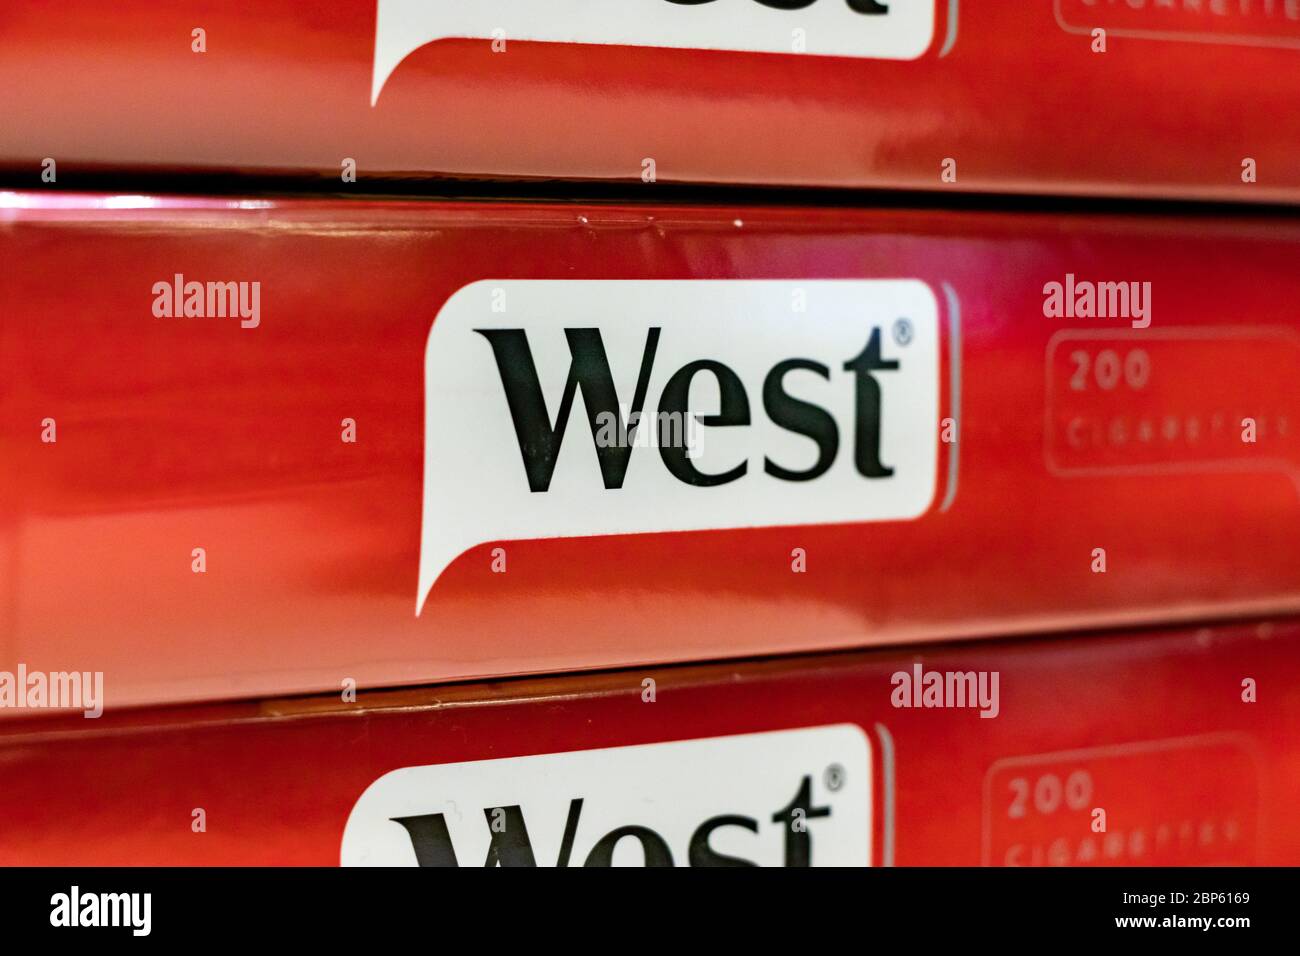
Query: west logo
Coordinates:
[856,28]
[789,798]
[511,846]
[539,440]
[772,403]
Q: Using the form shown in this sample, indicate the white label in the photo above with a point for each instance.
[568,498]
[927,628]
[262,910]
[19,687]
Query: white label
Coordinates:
[763,403]
[786,798]
[886,30]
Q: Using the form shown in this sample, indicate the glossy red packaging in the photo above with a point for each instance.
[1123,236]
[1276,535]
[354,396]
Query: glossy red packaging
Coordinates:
[1069,472]
[1157,748]
[1186,99]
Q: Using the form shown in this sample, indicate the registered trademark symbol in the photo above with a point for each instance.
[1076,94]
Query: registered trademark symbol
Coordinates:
[902,331]
[834,777]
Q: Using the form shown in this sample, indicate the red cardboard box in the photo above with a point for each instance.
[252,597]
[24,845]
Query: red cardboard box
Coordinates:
[1187,100]
[1158,748]
[262,447]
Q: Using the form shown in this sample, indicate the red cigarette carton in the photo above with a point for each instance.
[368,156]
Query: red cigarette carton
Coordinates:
[1159,748]
[1078,97]
[264,447]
